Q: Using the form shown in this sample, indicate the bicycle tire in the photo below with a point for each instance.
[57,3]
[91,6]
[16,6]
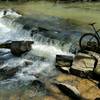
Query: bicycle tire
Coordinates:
[84,36]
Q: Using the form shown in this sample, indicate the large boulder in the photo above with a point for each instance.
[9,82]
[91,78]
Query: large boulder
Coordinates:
[64,62]
[17,47]
[85,65]
[20,47]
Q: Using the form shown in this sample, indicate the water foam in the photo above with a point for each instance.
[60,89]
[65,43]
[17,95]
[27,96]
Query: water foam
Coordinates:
[48,51]
[43,53]
[11,12]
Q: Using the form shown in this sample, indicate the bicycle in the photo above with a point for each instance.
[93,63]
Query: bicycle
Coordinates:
[90,41]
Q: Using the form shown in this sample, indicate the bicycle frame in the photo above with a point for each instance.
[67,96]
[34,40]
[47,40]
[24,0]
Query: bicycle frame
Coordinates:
[96,31]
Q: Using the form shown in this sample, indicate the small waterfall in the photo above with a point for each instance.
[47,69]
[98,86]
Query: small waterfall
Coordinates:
[41,59]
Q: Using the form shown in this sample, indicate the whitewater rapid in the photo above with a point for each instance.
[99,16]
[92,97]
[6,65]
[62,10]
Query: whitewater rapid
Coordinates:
[42,56]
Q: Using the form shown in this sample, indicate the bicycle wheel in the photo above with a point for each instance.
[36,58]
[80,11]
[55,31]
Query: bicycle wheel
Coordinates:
[89,41]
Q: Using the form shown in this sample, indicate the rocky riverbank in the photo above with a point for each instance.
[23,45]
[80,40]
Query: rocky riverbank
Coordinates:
[47,71]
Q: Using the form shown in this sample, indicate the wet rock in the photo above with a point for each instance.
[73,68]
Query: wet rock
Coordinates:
[5,12]
[64,62]
[20,47]
[69,90]
[42,29]
[27,27]
[38,85]
[34,31]
[7,73]
[17,47]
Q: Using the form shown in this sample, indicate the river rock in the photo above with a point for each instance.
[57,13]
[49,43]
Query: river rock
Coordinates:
[64,62]
[37,83]
[7,73]
[20,47]
[34,31]
[83,65]
[42,29]
[27,27]
[17,47]
[39,87]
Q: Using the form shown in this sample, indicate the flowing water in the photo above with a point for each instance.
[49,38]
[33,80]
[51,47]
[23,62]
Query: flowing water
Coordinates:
[41,58]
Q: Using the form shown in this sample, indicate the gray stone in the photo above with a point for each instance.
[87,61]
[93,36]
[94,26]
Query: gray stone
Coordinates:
[17,47]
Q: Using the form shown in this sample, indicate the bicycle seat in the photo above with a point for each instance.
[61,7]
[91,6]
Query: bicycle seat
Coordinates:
[92,23]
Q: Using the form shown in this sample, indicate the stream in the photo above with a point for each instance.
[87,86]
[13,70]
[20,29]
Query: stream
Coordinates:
[41,59]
